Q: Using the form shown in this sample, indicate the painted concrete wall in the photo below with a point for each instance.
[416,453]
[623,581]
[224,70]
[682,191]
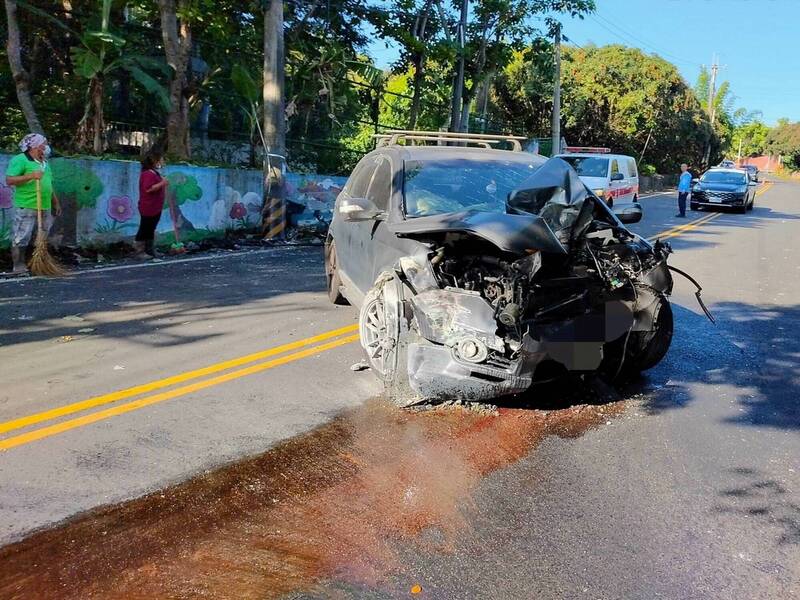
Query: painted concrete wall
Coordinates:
[100,198]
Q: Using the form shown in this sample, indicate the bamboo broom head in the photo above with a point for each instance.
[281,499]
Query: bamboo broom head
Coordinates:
[42,262]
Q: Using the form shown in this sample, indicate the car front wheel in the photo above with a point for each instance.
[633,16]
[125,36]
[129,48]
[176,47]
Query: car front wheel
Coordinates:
[641,350]
[384,337]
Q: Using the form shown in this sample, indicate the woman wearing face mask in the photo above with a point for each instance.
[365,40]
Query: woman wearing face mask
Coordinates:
[25,172]
[152,189]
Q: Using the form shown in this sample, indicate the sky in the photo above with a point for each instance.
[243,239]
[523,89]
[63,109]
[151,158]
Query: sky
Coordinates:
[757,43]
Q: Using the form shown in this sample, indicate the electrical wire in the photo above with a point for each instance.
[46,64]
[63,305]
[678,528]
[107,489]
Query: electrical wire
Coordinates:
[627,36]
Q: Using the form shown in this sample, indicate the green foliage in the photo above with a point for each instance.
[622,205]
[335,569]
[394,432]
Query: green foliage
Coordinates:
[753,138]
[784,140]
[336,98]
[523,91]
[615,96]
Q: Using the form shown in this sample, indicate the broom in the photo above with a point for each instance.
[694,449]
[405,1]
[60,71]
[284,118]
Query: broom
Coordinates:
[177,247]
[42,263]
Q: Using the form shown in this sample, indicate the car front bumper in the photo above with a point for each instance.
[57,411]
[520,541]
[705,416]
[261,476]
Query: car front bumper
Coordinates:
[730,201]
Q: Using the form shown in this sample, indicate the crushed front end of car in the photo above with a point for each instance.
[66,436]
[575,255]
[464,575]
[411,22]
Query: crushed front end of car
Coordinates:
[498,301]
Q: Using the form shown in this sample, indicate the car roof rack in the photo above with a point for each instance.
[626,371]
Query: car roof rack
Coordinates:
[485,140]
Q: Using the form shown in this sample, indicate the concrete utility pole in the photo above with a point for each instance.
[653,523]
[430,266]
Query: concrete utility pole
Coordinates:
[712,90]
[274,120]
[557,95]
[458,84]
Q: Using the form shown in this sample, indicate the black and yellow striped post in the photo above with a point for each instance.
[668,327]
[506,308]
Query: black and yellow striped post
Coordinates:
[274,223]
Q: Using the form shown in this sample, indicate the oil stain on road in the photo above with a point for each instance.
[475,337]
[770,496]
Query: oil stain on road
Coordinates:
[335,503]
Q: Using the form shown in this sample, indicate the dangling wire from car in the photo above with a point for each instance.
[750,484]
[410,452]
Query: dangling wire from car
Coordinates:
[696,294]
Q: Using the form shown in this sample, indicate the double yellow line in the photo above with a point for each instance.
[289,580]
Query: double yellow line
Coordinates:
[679,229]
[337,337]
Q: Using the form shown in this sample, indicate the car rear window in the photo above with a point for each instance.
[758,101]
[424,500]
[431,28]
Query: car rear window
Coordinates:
[724,177]
[588,166]
[453,185]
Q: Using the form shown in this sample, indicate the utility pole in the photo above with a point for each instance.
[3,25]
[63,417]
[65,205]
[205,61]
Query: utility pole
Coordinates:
[712,89]
[458,85]
[274,120]
[712,110]
[556,129]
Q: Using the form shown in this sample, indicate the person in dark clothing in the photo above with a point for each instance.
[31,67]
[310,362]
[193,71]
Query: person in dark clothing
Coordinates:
[152,190]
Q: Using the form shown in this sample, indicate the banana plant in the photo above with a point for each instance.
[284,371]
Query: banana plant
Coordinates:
[247,87]
[99,55]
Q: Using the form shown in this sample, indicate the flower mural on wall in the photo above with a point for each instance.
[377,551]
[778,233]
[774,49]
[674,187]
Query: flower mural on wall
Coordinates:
[120,208]
[239,213]
[120,211]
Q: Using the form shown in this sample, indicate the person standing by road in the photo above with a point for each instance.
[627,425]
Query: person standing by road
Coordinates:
[684,187]
[152,190]
[27,171]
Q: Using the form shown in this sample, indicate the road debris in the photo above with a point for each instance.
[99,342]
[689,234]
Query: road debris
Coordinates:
[360,366]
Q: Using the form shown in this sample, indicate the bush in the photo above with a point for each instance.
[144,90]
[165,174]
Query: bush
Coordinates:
[647,170]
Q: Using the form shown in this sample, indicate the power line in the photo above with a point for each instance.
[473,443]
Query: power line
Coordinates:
[569,40]
[623,34]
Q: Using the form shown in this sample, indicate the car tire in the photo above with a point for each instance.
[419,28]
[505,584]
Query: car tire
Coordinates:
[741,209]
[752,204]
[332,278]
[610,202]
[643,349]
[694,206]
[384,337]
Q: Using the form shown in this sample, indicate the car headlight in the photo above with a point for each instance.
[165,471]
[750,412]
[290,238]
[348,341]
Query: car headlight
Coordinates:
[599,193]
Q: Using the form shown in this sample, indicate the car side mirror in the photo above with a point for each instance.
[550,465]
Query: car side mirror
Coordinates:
[752,182]
[617,177]
[358,209]
[695,181]
[629,214]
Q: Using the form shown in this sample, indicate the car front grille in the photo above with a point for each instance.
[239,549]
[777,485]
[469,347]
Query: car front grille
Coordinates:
[721,197]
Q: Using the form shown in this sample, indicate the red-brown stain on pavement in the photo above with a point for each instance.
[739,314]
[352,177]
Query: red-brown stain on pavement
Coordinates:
[333,503]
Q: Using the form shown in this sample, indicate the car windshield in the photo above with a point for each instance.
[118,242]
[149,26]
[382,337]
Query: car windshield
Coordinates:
[588,166]
[724,177]
[452,185]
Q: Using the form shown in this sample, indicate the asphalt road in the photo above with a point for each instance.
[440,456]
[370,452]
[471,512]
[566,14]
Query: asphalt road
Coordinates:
[300,482]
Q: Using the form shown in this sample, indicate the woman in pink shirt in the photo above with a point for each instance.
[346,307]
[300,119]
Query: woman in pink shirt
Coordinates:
[152,189]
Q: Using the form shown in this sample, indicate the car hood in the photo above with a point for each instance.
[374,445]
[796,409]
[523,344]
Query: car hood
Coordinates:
[510,233]
[719,187]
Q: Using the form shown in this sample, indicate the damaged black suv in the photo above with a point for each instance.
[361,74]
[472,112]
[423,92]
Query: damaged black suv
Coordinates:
[479,271]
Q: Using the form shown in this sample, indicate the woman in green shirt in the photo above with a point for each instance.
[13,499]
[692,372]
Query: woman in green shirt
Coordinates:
[22,174]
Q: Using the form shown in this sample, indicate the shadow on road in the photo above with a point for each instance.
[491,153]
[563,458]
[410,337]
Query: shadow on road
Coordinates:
[753,348]
[754,495]
[151,306]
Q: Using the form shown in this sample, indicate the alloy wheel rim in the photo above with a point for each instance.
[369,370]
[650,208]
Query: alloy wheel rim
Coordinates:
[379,344]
